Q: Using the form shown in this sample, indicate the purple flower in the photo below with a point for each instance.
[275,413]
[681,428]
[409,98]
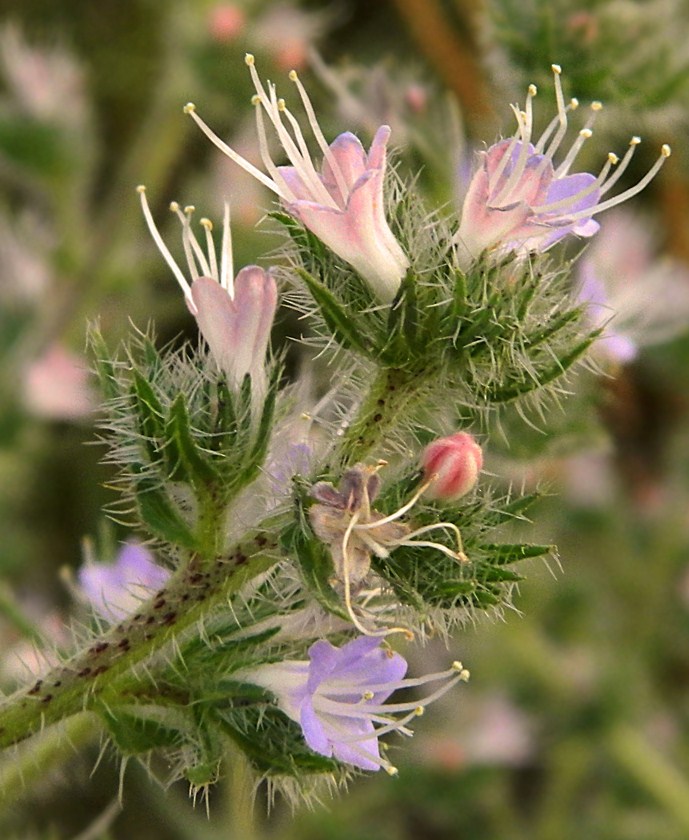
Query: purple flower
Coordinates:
[115,590]
[338,697]
[519,200]
[235,314]
[343,204]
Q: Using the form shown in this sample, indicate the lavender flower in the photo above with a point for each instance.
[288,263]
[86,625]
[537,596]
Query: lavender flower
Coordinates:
[115,590]
[519,201]
[343,204]
[234,314]
[338,697]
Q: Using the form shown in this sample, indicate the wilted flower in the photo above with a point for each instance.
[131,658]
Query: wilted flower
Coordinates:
[115,590]
[338,697]
[353,531]
[234,314]
[519,201]
[343,204]
[451,466]
[640,299]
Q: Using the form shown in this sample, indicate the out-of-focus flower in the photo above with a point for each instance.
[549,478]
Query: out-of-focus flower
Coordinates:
[115,590]
[519,201]
[288,33]
[338,697]
[640,299]
[226,21]
[235,314]
[56,386]
[42,79]
[22,659]
[24,256]
[451,466]
[344,203]
[496,733]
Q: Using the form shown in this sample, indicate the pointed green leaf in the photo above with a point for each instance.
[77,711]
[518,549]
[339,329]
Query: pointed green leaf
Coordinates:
[334,315]
[194,465]
[159,514]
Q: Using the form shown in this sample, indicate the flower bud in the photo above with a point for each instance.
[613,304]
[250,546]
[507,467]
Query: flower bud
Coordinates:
[452,465]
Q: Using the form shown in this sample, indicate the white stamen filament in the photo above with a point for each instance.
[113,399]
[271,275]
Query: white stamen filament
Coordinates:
[162,247]
[226,258]
[560,119]
[301,162]
[210,247]
[400,512]
[591,188]
[186,240]
[348,591]
[190,109]
[665,153]
[320,138]
[629,154]
[283,190]
[525,124]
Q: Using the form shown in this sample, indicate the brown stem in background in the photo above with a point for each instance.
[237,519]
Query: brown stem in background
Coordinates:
[673,195]
[452,58]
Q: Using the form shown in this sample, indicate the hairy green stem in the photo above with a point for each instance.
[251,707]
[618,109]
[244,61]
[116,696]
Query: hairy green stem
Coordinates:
[391,395]
[106,671]
[34,759]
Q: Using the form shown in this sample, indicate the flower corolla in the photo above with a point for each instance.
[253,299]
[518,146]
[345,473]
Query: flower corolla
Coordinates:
[338,697]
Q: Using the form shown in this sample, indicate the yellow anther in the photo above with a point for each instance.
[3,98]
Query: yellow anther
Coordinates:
[206,223]
[418,711]
[293,76]
[249,60]
[596,106]
[174,206]
[635,141]
[665,150]
[189,108]
[556,69]
[612,157]
[141,189]
[255,99]
[533,90]
[189,209]
[586,133]
[457,666]
[281,105]
[465,674]
[574,103]
[391,771]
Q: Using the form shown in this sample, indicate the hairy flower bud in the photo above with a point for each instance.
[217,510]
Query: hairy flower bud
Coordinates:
[452,465]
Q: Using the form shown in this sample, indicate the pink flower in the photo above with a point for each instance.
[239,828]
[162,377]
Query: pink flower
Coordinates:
[343,204]
[56,386]
[226,21]
[452,466]
[518,200]
[235,314]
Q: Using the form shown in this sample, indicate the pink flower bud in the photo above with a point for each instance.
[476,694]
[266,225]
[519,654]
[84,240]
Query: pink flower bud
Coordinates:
[453,464]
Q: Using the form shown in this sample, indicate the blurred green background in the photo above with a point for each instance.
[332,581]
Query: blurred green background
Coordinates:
[575,722]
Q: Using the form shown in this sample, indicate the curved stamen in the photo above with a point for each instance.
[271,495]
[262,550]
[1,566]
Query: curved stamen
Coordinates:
[190,110]
[613,179]
[525,123]
[569,200]
[665,153]
[284,191]
[584,135]
[162,247]
[368,526]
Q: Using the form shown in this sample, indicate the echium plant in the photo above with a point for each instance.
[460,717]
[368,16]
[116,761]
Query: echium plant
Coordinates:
[304,545]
